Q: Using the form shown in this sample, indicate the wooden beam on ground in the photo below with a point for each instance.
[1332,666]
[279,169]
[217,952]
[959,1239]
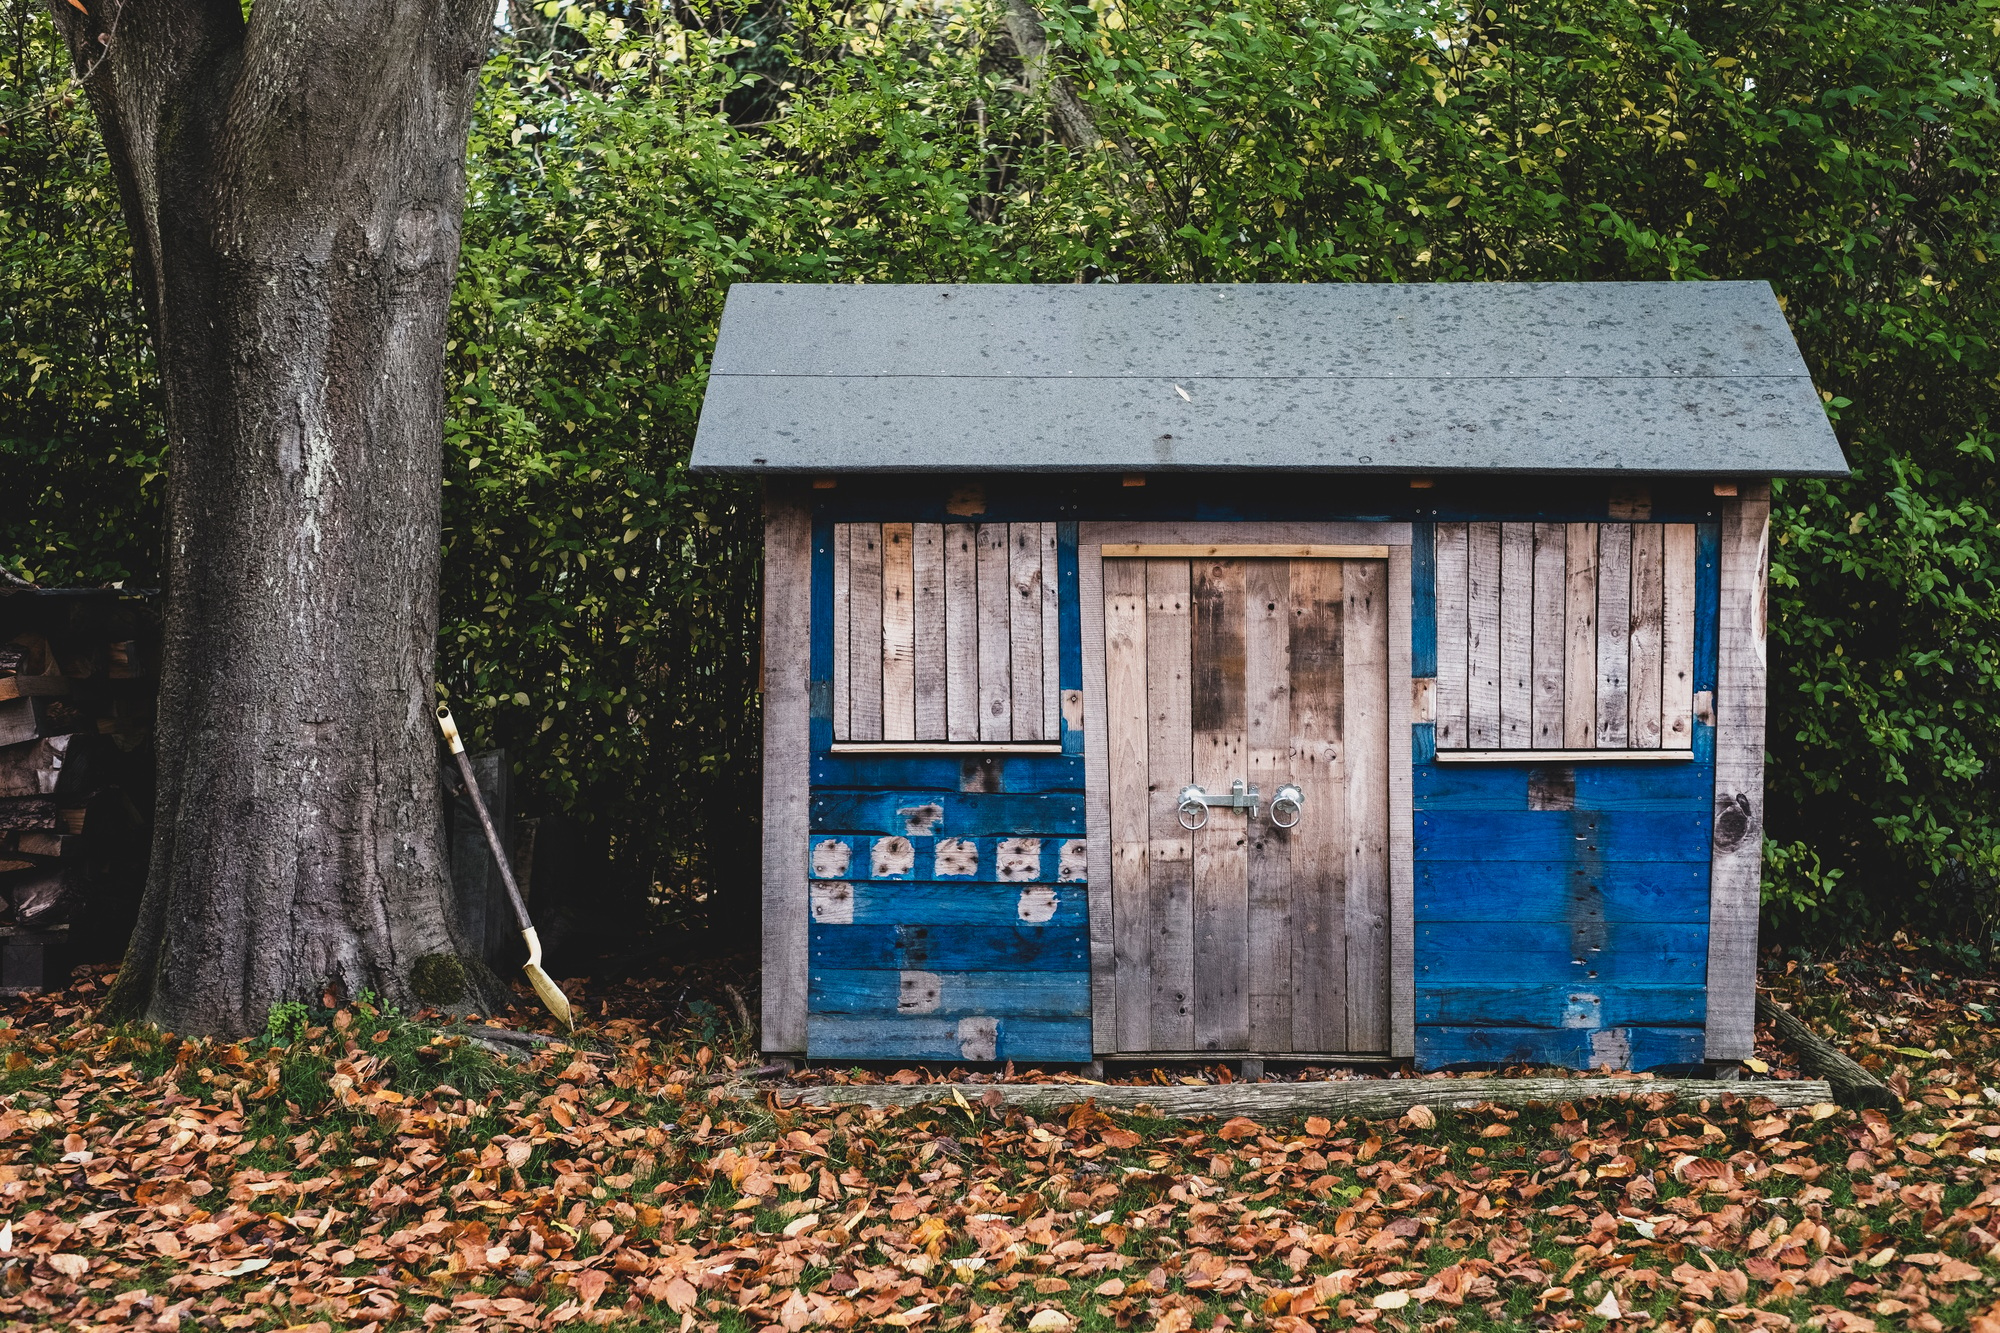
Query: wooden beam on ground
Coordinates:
[1852,1085]
[1357,1097]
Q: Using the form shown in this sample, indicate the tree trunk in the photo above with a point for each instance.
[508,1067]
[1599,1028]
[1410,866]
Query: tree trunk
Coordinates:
[293,185]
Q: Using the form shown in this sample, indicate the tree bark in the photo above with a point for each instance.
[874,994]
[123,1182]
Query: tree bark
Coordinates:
[293,185]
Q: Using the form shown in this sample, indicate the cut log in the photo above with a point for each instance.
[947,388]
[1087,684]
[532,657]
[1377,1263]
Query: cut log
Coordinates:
[25,719]
[1374,1098]
[28,813]
[1853,1086]
[51,766]
[22,687]
[52,897]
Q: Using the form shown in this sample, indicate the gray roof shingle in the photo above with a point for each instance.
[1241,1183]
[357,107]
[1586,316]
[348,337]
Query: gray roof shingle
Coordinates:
[1437,378]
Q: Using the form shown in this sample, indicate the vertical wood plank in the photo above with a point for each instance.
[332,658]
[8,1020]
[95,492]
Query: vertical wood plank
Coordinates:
[843,623]
[1580,637]
[1482,637]
[1268,733]
[1024,579]
[1129,804]
[1319,843]
[1614,631]
[1643,694]
[996,661]
[961,631]
[787,630]
[1221,863]
[1451,634]
[1365,701]
[865,634]
[1551,548]
[1087,610]
[1051,638]
[899,632]
[1517,641]
[1677,637]
[1169,764]
[1736,872]
[1402,810]
[928,635]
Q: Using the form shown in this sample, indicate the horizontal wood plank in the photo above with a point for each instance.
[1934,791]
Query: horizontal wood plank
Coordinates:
[1562,756]
[1608,835]
[951,994]
[1561,1006]
[948,903]
[1218,551]
[1500,953]
[963,1040]
[1563,893]
[952,948]
[1576,1048]
[961,815]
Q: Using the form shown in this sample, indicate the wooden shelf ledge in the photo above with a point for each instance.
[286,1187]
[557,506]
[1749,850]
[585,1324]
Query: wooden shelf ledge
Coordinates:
[1565,756]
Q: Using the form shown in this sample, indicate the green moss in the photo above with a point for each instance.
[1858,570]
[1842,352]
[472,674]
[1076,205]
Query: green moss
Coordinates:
[439,979]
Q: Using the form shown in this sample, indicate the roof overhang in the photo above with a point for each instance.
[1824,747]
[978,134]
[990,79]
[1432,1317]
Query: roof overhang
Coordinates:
[1536,378]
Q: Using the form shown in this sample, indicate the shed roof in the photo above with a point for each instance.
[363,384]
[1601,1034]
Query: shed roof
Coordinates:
[1559,378]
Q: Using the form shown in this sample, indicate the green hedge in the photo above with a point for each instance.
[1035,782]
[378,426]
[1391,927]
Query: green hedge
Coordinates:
[630,162]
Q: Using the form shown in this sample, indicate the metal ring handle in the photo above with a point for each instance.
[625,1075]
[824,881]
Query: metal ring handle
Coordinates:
[1193,804]
[1292,796]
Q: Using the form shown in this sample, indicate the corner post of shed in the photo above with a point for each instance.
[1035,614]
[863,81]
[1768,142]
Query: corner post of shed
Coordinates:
[1736,872]
[785,668]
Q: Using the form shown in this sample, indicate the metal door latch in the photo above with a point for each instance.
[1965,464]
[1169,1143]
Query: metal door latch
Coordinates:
[1196,803]
[1289,800]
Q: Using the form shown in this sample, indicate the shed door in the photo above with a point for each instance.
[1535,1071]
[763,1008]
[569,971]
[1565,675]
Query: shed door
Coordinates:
[1242,936]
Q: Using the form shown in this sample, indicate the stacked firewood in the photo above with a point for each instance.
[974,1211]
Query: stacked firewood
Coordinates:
[76,701]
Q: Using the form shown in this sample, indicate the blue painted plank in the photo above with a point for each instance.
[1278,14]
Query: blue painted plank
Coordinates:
[1561,892]
[1017,774]
[1618,1048]
[1707,601]
[1527,952]
[1546,1006]
[1069,627]
[902,903]
[946,860]
[946,813]
[1599,786]
[1423,742]
[1015,948]
[1423,600]
[1704,750]
[1562,835]
[950,994]
[851,1037]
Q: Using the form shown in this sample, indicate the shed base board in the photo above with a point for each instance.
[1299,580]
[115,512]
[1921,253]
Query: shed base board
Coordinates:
[1366,1097]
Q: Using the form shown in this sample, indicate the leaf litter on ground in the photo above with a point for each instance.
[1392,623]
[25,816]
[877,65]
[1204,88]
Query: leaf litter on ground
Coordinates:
[362,1170]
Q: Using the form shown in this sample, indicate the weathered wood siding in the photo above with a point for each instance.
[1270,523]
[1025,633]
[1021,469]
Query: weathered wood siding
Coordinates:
[947,917]
[1562,909]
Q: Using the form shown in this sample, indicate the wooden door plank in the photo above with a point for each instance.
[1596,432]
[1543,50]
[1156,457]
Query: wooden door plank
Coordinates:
[1643,693]
[865,634]
[1025,629]
[1402,813]
[1677,638]
[1051,639]
[928,636]
[1580,637]
[1128,803]
[1517,641]
[996,662]
[1365,702]
[1614,631]
[1221,865]
[843,622]
[1736,873]
[787,630]
[899,631]
[1089,611]
[961,631]
[1482,637]
[1169,766]
[1267,700]
[1451,634]
[1551,547]
[1319,843]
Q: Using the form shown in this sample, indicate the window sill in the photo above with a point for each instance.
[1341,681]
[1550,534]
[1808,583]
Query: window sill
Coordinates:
[1564,756]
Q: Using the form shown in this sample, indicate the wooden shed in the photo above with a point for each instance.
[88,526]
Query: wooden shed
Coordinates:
[1263,672]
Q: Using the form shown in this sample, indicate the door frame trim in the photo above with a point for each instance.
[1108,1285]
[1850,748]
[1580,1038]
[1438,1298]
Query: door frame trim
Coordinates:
[1391,540]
